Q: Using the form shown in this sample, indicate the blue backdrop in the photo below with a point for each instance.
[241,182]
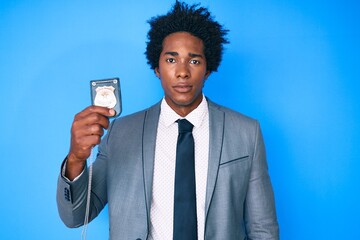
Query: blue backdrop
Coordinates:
[294,65]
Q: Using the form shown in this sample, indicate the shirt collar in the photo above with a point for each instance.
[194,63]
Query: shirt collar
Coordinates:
[196,117]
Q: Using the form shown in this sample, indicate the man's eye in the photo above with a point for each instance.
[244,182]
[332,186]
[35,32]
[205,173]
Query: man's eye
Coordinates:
[194,61]
[170,60]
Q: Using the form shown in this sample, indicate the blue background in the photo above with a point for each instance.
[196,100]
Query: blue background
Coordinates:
[293,65]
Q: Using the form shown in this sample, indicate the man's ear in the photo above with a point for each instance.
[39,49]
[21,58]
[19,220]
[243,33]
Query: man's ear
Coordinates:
[207,74]
[157,72]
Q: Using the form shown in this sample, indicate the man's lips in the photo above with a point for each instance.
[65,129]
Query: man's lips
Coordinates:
[182,88]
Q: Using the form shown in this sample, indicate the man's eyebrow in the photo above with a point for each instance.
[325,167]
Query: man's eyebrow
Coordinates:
[195,55]
[192,55]
[171,53]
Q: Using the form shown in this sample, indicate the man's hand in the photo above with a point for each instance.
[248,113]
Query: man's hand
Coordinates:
[86,132]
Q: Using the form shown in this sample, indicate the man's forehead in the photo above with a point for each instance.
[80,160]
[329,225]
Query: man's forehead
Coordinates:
[183,41]
[180,36]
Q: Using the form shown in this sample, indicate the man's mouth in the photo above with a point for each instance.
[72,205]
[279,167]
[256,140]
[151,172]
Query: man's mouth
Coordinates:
[182,88]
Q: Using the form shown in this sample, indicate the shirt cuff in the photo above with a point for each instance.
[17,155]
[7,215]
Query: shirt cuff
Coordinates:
[64,169]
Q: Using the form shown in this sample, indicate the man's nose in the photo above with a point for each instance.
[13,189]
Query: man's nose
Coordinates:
[182,70]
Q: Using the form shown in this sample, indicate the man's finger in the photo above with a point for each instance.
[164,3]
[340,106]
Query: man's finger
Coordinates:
[108,112]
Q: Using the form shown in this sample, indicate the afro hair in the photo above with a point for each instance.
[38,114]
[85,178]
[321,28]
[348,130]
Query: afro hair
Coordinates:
[192,19]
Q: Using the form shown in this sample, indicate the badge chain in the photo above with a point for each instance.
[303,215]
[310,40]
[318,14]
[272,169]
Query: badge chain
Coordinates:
[87,212]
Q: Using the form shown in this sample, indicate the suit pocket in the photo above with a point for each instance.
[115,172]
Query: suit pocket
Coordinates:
[234,161]
[233,179]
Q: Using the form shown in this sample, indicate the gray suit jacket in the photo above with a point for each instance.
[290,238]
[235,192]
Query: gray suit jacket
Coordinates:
[239,197]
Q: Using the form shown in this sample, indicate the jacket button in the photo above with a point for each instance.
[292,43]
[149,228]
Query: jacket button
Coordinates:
[67,194]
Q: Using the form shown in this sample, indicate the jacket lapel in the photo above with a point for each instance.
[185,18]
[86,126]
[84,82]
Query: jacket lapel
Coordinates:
[216,134]
[150,125]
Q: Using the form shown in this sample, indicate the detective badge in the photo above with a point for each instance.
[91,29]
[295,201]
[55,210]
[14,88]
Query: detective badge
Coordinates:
[105,97]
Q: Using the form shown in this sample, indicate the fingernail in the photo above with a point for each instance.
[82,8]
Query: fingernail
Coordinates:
[112,112]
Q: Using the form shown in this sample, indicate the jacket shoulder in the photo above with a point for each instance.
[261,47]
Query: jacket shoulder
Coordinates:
[231,114]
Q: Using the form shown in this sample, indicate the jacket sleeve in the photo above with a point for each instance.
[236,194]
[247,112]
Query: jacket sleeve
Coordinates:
[260,214]
[71,196]
[71,199]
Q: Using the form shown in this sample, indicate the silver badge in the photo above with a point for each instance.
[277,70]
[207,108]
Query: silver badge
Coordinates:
[105,97]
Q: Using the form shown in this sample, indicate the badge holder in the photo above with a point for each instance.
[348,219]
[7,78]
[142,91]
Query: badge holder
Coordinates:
[106,93]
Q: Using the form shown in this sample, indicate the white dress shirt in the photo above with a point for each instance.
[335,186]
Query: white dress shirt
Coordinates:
[162,204]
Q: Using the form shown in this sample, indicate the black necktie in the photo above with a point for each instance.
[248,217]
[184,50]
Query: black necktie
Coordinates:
[185,222]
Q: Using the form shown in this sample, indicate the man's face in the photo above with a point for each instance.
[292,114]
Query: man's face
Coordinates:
[182,71]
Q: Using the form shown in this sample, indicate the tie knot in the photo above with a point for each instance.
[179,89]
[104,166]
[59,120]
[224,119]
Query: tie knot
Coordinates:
[184,125]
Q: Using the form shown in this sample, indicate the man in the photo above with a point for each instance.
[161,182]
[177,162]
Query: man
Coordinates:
[135,169]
